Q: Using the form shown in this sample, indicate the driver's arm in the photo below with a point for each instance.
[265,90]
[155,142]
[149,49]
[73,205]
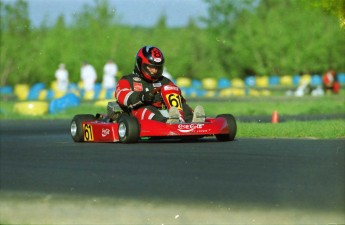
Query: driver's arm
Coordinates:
[126,96]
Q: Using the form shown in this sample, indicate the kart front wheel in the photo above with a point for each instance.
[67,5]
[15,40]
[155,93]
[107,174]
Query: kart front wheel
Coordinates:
[129,130]
[77,132]
[231,121]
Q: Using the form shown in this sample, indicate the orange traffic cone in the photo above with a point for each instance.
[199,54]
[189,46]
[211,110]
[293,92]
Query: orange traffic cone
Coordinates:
[275,117]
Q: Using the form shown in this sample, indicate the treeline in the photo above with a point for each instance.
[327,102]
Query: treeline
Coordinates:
[238,38]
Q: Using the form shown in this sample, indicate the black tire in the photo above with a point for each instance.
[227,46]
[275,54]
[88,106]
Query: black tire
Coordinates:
[77,132]
[230,119]
[129,129]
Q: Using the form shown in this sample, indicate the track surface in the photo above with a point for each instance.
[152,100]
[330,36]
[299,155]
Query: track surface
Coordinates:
[40,156]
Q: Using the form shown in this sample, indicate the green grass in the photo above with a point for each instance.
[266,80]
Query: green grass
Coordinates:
[243,106]
[326,129]
[284,105]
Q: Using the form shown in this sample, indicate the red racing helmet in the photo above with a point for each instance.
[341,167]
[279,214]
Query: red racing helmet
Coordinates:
[149,63]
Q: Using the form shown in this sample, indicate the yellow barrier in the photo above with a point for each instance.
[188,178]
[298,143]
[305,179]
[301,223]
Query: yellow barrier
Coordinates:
[238,92]
[253,92]
[228,92]
[53,85]
[209,83]
[210,94]
[21,91]
[89,95]
[262,81]
[32,108]
[43,95]
[265,93]
[305,79]
[59,94]
[102,103]
[102,94]
[237,82]
[80,84]
[286,80]
[183,82]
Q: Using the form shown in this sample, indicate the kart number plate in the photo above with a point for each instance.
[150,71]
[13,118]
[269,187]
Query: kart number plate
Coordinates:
[88,133]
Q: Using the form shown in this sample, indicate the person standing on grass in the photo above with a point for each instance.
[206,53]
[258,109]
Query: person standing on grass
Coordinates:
[89,76]
[109,75]
[61,75]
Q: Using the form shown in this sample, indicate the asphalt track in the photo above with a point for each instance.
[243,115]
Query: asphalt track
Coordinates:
[40,156]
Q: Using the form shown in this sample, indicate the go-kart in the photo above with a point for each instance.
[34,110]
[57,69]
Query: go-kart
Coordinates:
[119,125]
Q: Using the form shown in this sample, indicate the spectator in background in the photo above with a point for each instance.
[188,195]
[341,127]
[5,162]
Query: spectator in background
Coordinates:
[109,75]
[88,76]
[329,82]
[61,75]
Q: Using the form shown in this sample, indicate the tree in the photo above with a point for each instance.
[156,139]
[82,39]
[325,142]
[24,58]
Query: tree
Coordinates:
[15,36]
[221,20]
[280,37]
[334,7]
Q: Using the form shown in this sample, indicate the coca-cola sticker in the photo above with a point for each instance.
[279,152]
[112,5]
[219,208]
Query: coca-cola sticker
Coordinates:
[185,128]
[105,132]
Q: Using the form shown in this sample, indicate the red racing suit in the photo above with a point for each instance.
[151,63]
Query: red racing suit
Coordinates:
[129,91]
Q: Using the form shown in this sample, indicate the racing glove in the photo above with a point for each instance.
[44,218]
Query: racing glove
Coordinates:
[146,97]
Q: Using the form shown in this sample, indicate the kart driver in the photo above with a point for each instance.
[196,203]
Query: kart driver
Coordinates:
[139,92]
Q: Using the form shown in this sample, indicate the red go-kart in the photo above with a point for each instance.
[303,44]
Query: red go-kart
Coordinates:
[119,125]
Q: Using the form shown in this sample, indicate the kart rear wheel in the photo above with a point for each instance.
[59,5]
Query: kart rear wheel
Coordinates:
[230,119]
[129,129]
[77,132]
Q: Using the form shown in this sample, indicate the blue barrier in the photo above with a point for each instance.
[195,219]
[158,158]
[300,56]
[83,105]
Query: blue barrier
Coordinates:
[97,89]
[187,91]
[274,80]
[250,81]
[35,91]
[200,93]
[60,104]
[196,83]
[73,87]
[341,78]
[223,83]
[6,90]
[50,95]
[110,94]
[296,79]
[316,80]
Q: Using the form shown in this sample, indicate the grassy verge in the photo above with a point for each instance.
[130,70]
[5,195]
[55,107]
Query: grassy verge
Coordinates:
[245,106]
[325,129]
[251,106]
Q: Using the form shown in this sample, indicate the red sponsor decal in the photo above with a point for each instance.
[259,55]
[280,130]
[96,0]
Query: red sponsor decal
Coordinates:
[138,86]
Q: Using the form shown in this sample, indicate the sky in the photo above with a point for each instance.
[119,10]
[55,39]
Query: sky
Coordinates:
[130,12]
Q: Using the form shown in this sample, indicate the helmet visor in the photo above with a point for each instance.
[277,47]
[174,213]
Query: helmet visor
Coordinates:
[155,71]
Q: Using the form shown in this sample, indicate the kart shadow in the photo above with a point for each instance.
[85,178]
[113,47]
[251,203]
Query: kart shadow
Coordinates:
[161,140]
